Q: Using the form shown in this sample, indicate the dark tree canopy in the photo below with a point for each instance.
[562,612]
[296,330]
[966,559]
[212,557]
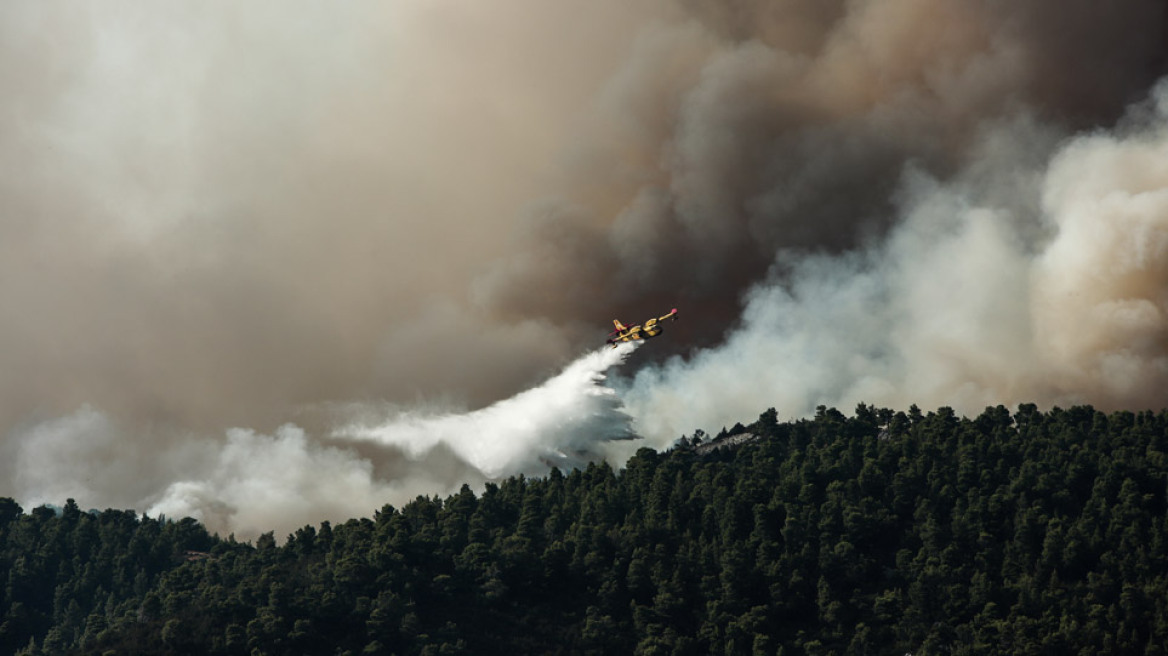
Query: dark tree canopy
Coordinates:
[882,533]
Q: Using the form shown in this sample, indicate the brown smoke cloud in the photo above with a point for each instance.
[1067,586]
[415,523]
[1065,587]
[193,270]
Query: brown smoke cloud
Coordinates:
[761,126]
[212,213]
[217,215]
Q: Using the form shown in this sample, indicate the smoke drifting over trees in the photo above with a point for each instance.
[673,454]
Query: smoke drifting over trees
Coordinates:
[217,216]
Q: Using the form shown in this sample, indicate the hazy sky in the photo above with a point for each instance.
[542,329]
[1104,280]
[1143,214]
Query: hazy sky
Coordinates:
[230,226]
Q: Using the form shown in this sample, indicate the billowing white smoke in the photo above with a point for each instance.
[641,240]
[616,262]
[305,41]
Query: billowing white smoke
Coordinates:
[260,482]
[1015,282]
[250,482]
[87,455]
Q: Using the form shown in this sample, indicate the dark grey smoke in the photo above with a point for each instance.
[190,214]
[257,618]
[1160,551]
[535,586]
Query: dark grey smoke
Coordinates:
[754,127]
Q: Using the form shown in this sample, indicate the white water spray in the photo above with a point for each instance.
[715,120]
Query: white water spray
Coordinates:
[562,422]
[256,482]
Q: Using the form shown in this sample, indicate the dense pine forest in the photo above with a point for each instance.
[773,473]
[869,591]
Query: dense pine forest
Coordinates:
[881,533]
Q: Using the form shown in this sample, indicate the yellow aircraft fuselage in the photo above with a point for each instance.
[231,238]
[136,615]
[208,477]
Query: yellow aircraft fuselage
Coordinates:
[651,328]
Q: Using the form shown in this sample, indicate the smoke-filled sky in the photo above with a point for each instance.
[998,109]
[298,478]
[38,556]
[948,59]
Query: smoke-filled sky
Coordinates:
[277,262]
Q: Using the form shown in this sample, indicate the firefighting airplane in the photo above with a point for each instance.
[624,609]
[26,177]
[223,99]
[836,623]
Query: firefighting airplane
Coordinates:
[650,328]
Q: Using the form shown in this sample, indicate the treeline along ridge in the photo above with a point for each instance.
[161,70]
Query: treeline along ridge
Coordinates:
[883,532]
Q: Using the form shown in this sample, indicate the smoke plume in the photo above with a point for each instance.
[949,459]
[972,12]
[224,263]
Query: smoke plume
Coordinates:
[229,233]
[1014,281]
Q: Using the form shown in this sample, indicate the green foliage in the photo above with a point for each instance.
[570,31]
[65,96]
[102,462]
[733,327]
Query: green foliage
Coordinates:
[885,532]
[77,579]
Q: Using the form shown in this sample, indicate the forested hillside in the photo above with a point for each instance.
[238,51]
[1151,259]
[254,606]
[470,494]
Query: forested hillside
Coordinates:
[880,533]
